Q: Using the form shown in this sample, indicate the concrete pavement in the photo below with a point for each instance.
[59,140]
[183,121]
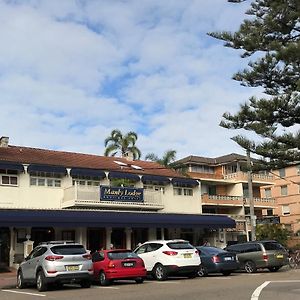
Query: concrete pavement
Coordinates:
[8,278]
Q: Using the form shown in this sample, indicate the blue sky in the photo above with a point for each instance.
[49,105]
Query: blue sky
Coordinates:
[73,70]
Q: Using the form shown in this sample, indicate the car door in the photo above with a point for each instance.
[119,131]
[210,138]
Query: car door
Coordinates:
[148,253]
[27,264]
[35,261]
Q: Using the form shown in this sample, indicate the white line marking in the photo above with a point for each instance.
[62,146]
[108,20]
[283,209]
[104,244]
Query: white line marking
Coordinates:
[257,292]
[105,287]
[164,282]
[24,293]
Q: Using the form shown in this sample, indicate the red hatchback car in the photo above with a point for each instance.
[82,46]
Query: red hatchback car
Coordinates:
[117,264]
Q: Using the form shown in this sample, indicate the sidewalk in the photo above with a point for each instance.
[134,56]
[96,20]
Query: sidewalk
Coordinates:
[8,278]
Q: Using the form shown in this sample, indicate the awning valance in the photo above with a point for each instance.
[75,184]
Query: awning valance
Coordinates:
[121,175]
[11,166]
[47,168]
[79,218]
[162,179]
[87,172]
[185,182]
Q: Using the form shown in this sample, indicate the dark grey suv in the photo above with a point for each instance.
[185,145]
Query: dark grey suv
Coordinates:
[56,262]
[260,255]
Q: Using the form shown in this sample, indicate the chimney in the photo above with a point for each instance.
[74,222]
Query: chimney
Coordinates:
[129,156]
[4,141]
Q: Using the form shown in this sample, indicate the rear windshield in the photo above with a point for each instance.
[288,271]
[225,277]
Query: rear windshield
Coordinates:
[180,245]
[273,246]
[121,255]
[68,249]
[211,250]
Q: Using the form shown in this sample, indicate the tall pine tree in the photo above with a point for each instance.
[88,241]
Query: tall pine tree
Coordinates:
[270,39]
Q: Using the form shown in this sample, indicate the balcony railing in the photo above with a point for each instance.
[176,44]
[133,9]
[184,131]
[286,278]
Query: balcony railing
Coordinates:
[255,177]
[81,196]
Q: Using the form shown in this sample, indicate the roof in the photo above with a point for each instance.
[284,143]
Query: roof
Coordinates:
[27,155]
[212,161]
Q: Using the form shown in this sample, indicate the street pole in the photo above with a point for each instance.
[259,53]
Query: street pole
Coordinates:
[250,196]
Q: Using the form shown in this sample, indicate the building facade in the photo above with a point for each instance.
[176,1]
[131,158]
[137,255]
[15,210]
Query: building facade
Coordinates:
[94,200]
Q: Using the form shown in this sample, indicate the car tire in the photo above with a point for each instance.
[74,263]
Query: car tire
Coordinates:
[274,269]
[226,273]
[160,272]
[139,280]
[41,284]
[250,266]
[202,271]
[85,284]
[20,280]
[103,280]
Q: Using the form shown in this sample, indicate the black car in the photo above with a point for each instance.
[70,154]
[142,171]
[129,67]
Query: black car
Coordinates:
[216,260]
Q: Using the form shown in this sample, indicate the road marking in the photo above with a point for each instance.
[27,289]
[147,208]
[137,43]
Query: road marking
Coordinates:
[24,293]
[257,292]
[106,287]
[165,282]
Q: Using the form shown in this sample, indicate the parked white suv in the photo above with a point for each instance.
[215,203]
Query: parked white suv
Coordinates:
[169,257]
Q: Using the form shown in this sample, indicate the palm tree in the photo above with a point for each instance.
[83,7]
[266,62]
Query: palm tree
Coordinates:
[119,143]
[167,160]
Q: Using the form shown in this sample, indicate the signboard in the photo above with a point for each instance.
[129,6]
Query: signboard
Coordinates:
[121,194]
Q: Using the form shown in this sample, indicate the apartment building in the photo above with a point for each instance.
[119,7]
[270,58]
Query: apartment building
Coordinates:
[286,191]
[224,190]
[94,200]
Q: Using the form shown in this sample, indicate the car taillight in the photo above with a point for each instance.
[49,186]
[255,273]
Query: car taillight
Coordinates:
[171,253]
[87,256]
[53,257]
[265,257]
[111,265]
[216,259]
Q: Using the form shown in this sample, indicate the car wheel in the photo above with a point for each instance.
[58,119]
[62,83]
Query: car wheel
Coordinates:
[250,266]
[85,284]
[139,280]
[226,273]
[274,269]
[202,272]
[160,272]
[20,280]
[41,284]
[102,279]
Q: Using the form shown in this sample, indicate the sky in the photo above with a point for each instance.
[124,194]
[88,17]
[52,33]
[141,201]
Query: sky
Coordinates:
[71,71]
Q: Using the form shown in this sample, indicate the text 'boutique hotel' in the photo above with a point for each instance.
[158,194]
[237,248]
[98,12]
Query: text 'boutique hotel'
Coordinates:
[94,200]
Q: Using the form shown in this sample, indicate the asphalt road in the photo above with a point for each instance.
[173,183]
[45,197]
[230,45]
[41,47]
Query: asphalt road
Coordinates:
[284,284]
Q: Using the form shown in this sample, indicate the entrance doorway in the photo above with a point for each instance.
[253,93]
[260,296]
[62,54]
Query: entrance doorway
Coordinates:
[96,239]
[42,234]
[139,235]
[118,238]
[4,248]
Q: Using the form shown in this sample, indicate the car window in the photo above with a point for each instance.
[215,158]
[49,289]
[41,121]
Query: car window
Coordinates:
[40,251]
[211,250]
[68,249]
[252,248]
[153,247]
[272,246]
[121,255]
[141,250]
[98,256]
[180,245]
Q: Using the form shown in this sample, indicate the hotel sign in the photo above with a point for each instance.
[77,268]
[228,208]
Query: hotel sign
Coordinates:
[121,194]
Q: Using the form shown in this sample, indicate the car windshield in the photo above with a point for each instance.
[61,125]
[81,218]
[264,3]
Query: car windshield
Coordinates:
[68,249]
[180,245]
[211,250]
[273,246]
[121,255]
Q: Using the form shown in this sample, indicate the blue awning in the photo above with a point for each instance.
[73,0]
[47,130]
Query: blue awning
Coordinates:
[185,182]
[87,172]
[47,168]
[162,179]
[80,218]
[121,175]
[11,166]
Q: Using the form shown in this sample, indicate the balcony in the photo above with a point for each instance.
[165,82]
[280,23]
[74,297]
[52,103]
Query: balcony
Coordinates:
[81,196]
[257,178]
[237,201]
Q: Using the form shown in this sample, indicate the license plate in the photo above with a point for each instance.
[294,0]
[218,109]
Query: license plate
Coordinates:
[279,256]
[128,264]
[72,268]
[187,255]
[227,258]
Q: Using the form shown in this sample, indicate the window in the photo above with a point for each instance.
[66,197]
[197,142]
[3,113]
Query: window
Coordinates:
[86,182]
[68,235]
[212,190]
[9,177]
[282,173]
[150,187]
[283,190]
[202,169]
[48,179]
[179,191]
[285,210]
[268,193]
